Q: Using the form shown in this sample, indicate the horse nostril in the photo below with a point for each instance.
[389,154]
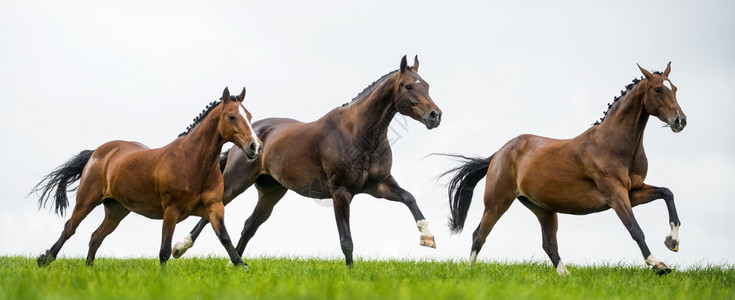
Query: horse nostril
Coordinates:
[683,122]
[432,115]
[252,146]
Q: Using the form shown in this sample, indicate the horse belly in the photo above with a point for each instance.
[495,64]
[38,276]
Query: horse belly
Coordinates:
[577,197]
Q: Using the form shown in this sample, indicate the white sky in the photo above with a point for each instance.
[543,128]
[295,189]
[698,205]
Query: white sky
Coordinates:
[81,73]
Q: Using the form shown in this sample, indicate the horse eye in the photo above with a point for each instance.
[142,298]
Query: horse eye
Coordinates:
[231,117]
[658,90]
[409,87]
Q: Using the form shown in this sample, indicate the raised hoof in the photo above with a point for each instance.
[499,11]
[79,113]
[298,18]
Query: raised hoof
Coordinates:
[661,269]
[428,241]
[178,252]
[44,260]
[671,243]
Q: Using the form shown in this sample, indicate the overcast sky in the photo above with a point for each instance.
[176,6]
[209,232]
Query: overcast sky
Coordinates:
[76,74]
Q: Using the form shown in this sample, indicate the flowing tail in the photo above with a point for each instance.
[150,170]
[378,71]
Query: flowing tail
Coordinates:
[223,160]
[59,179]
[461,187]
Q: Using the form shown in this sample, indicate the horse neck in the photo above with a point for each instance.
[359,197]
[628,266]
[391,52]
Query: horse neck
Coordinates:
[202,145]
[622,130]
[371,116]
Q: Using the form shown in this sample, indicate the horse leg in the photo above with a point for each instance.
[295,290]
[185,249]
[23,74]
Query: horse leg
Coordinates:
[390,190]
[620,203]
[170,218]
[342,199]
[86,202]
[114,213]
[238,176]
[498,199]
[649,193]
[549,224]
[217,218]
[269,193]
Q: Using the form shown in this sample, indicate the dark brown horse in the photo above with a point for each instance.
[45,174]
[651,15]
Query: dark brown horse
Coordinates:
[604,167]
[169,183]
[344,153]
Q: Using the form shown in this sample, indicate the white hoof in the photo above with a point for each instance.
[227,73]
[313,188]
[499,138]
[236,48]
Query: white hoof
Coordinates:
[181,247]
[561,269]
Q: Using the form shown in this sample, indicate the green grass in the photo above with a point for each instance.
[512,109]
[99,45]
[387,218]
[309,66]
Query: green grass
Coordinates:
[293,278]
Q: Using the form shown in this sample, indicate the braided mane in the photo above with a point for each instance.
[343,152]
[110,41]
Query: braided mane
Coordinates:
[202,115]
[370,88]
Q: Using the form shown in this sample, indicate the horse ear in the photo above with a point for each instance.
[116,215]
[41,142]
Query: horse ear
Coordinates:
[242,95]
[226,95]
[416,63]
[668,70]
[645,72]
[404,64]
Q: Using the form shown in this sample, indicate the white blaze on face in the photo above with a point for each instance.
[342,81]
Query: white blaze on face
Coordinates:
[244,115]
[668,84]
[417,81]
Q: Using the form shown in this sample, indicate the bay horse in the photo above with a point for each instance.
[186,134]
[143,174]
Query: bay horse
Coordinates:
[604,167]
[169,183]
[344,153]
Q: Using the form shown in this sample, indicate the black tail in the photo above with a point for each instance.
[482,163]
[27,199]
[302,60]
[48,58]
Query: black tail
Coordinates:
[59,179]
[461,187]
[223,160]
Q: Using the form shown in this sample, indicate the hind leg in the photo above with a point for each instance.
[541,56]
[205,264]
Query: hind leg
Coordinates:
[549,224]
[498,198]
[269,193]
[389,189]
[649,193]
[114,213]
[86,202]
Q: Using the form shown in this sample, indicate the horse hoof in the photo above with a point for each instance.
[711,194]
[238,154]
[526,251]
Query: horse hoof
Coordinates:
[178,252]
[428,241]
[661,269]
[44,260]
[671,243]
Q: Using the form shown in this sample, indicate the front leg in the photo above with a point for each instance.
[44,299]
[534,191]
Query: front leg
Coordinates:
[342,198]
[619,201]
[649,193]
[390,190]
[170,217]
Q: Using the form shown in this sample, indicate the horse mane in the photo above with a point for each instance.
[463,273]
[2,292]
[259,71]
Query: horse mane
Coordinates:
[615,100]
[370,88]
[202,115]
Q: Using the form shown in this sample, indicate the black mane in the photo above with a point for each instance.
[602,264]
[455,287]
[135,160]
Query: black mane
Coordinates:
[203,114]
[370,88]
[615,100]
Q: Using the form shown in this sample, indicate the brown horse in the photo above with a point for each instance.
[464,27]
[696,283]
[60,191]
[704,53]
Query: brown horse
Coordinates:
[604,167]
[344,153]
[169,183]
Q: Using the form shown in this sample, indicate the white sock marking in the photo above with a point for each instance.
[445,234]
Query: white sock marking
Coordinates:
[473,258]
[561,269]
[674,232]
[186,243]
[651,260]
[423,226]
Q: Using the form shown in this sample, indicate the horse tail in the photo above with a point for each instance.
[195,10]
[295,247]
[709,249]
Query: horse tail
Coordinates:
[223,160]
[461,187]
[59,179]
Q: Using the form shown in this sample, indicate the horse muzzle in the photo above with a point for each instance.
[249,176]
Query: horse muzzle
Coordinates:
[253,149]
[678,124]
[432,119]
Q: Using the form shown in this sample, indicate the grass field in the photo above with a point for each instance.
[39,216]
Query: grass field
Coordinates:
[286,278]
